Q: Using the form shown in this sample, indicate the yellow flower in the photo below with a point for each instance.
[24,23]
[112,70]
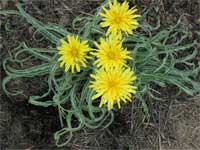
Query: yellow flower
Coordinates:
[113,85]
[110,53]
[73,53]
[118,17]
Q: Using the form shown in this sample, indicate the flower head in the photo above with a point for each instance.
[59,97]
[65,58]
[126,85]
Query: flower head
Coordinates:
[73,53]
[118,17]
[110,53]
[113,85]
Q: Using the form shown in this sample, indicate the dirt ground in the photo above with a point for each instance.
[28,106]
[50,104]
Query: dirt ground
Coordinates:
[174,121]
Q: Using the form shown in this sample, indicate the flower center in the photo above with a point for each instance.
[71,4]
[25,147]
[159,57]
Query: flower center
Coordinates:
[118,19]
[112,84]
[75,52]
[113,55]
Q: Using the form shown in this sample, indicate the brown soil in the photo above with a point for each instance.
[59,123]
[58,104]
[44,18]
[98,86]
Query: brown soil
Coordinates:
[174,121]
